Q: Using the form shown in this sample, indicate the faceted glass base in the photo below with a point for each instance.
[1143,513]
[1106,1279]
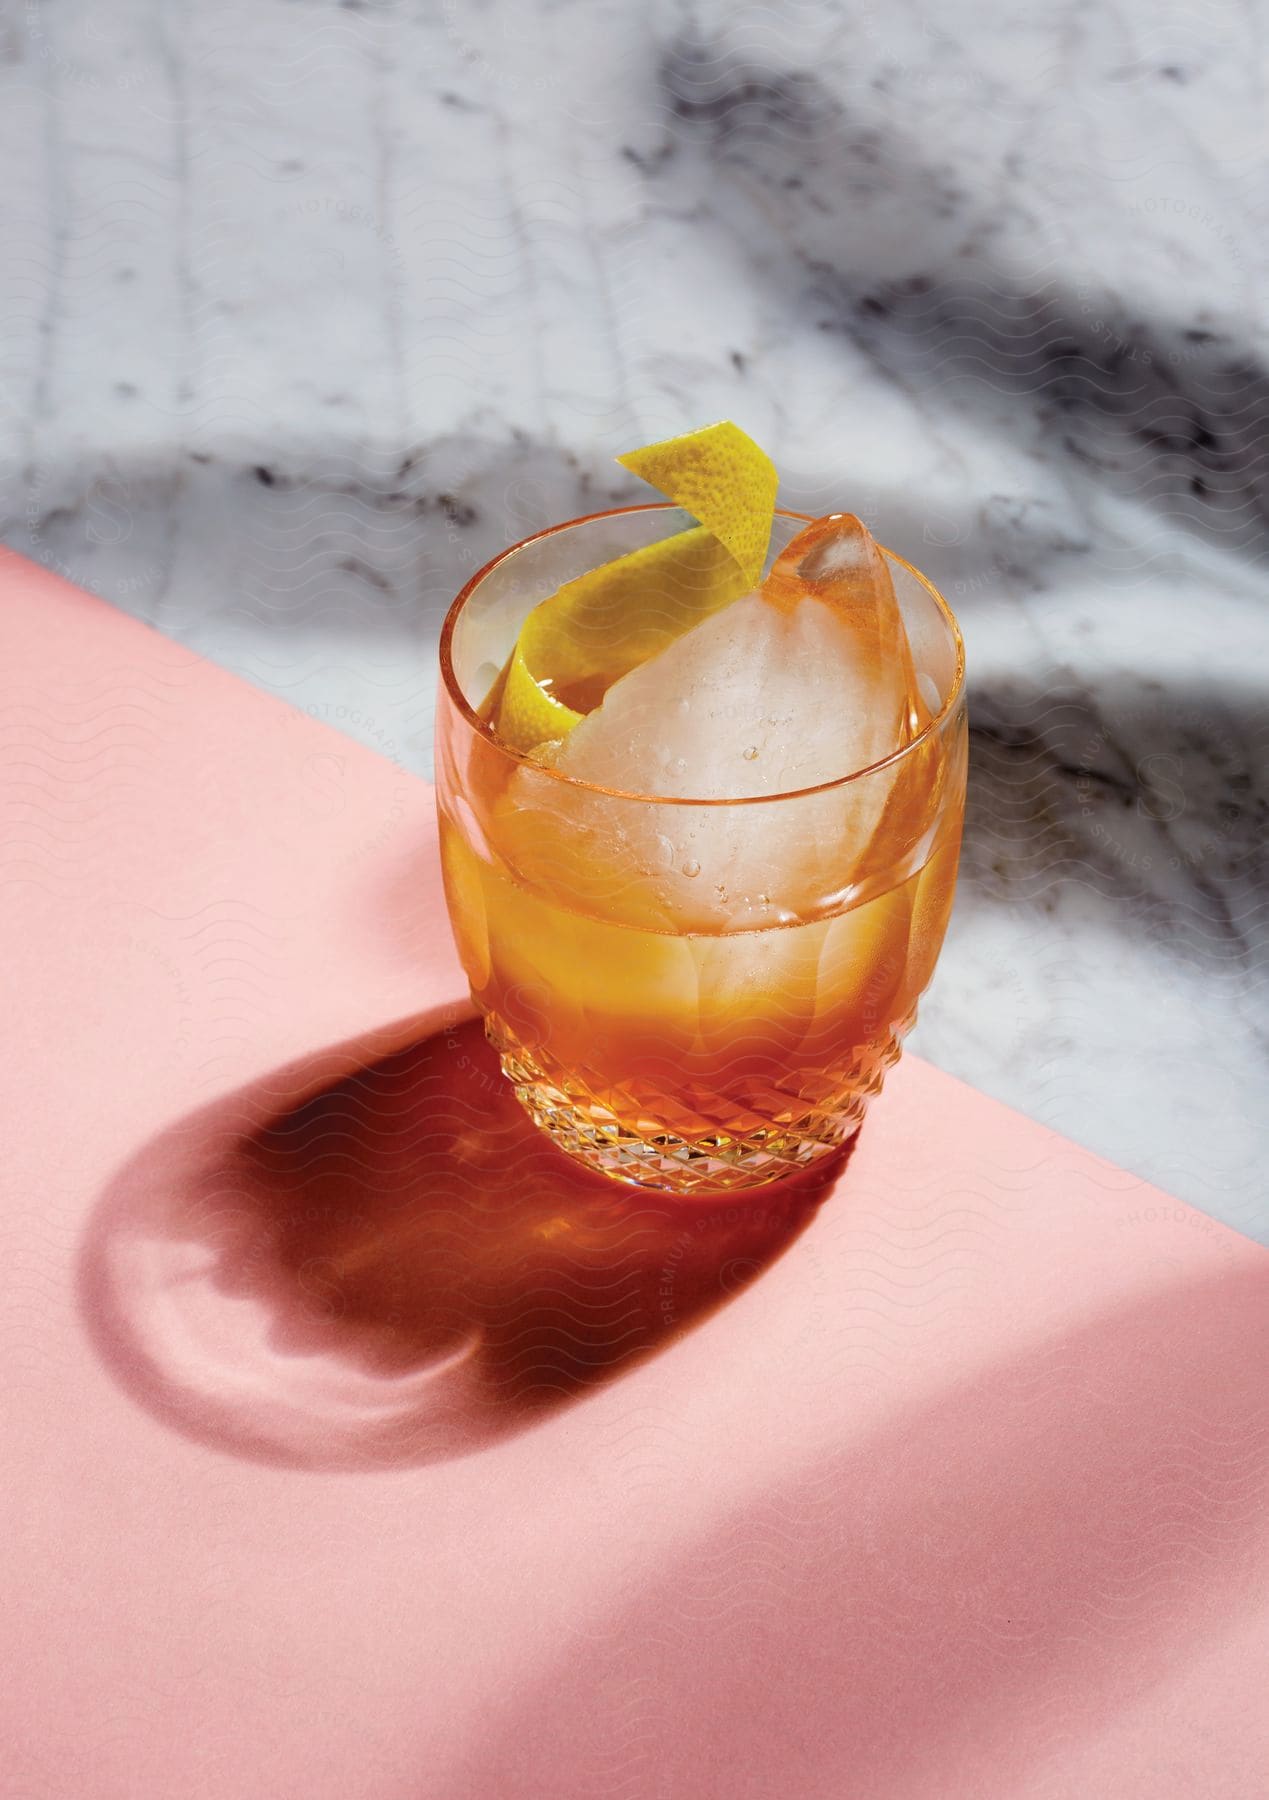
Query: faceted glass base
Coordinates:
[631,1146]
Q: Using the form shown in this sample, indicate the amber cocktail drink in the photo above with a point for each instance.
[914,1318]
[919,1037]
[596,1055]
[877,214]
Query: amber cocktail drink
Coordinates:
[698,925]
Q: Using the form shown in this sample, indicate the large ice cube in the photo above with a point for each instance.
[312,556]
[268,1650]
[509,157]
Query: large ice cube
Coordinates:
[793,687]
[803,682]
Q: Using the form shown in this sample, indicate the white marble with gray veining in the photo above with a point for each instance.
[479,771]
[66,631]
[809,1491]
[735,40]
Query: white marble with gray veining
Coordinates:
[308,308]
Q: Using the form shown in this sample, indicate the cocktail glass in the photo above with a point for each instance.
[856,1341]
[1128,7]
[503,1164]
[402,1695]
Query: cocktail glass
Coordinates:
[669,1034]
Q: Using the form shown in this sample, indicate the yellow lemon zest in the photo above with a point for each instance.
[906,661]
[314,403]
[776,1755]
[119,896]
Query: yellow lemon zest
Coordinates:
[608,621]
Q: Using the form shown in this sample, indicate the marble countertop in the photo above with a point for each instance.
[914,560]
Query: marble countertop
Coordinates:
[309,308]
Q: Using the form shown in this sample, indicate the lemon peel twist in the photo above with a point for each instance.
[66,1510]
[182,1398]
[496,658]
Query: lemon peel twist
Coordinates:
[615,617]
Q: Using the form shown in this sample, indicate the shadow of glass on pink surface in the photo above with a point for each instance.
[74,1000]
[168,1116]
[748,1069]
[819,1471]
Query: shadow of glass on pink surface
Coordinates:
[392,1266]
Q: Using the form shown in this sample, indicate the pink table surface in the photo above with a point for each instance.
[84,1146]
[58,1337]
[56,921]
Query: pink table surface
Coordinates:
[354,1445]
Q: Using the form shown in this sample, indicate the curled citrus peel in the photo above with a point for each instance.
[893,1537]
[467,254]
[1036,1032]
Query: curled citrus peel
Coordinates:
[605,623]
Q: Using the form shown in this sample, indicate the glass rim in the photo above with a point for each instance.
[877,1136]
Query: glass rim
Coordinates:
[483,730]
